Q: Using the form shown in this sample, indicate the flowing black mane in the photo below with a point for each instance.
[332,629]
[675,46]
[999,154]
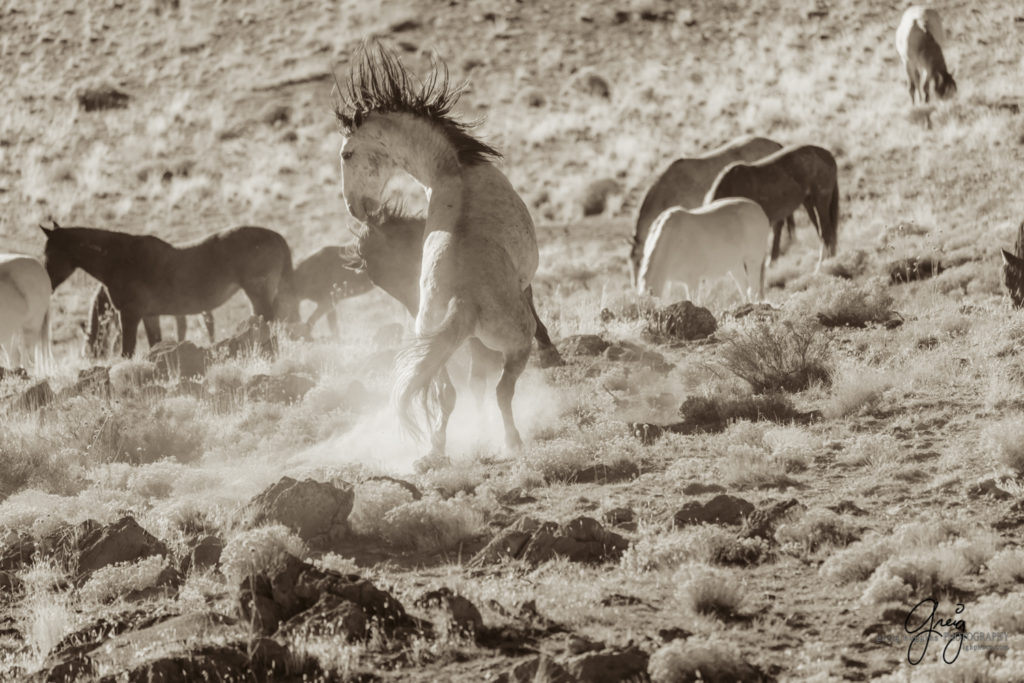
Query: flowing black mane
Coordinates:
[379,82]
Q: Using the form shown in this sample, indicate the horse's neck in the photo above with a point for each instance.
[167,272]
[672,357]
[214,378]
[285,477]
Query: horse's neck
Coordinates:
[100,253]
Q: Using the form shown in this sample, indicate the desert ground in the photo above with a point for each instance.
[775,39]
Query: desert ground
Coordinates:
[836,461]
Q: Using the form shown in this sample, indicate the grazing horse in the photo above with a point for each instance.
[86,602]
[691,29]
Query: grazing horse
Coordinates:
[479,246]
[327,276]
[24,309]
[797,175]
[391,249]
[147,276]
[725,237]
[1013,269]
[685,182]
[919,39]
[105,326]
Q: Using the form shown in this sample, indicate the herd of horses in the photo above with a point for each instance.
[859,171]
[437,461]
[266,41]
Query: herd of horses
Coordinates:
[464,272]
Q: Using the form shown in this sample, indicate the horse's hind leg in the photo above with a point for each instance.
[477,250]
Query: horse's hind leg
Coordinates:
[515,363]
[321,310]
[129,330]
[776,240]
[261,299]
[182,324]
[152,325]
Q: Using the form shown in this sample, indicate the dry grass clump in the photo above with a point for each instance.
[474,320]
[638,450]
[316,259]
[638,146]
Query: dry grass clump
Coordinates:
[432,525]
[875,450]
[710,591]
[1006,440]
[818,529]
[782,356]
[849,264]
[1006,567]
[754,457]
[107,583]
[701,658]
[373,500]
[840,303]
[716,412]
[856,389]
[263,549]
[659,548]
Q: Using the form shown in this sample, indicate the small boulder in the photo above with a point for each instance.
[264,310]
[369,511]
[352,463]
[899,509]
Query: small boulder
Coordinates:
[94,380]
[594,199]
[317,511]
[121,541]
[101,97]
[682,321]
[763,522]
[913,268]
[722,509]
[10,584]
[36,396]
[583,345]
[287,388]
[458,610]
[205,554]
[177,359]
[608,666]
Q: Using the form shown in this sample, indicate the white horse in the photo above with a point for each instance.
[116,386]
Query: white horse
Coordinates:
[24,309]
[919,39]
[685,182]
[479,247]
[725,237]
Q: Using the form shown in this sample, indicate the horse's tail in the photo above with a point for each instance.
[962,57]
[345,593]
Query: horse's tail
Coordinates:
[417,367]
[100,305]
[831,237]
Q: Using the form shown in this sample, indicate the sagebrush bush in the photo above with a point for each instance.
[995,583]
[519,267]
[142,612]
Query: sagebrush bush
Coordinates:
[710,591]
[818,528]
[875,450]
[373,500]
[656,548]
[841,303]
[263,549]
[700,658]
[1006,441]
[716,412]
[778,356]
[1007,566]
[856,389]
[431,524]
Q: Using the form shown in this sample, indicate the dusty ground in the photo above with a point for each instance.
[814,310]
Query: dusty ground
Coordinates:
[229,122]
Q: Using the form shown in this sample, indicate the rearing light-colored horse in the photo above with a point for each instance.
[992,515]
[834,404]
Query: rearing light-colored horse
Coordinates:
[24,309]
[479,247]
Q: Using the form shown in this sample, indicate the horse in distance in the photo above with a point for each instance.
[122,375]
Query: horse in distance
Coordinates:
[919,39]
[391,248]
[24,310]
[685,182]
[798,175]
[479,247]
[103,331]
[147,276]
[327,276]
[725,237]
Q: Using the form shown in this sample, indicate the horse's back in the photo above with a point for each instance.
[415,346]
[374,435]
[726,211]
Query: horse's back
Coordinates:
[24,297]
[916,21]
[29,276]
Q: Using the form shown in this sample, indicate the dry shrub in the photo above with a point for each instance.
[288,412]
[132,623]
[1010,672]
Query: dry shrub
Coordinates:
[656,548]
[107,583]
[841,303]
[432,524]
[817,529]
[856,389]
[260,550]
[874,450]
[710,591]
[783,356]
[701,658]
[715,413]
[374,499]
[1007,566]
[1006,439]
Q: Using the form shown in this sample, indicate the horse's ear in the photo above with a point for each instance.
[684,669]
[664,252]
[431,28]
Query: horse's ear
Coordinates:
[46,231]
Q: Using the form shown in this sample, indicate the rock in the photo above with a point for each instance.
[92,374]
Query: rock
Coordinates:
[541,668]
[621,515]
[287,388]
[548,357]
[121,541]
[17,551]
[166,585]
[988,487]
[594,199]
[177,359]
[205,663]
[760,311]
[682,321]
[9,583]
[276,115]
[317,511]
[252,336]
[847,507]
[608,667]
[763,521]
[458,610]
[622,470]
[583,345]
[628,352]
[697,488]
[35,397]
[329,616]
[592,84]
[581,540]
[101,97]
[269,659]
[266,601]
[913,268]
[578,645]
[722,509]
[205,554]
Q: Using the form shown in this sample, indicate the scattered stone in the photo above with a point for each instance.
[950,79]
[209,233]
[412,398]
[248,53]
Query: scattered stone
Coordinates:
[532,97]
[620,470]
[266,601]
[988,487]
[760,311]
[516,496]
[252,336]
[403,25]
[121,541]
[330,615]
[592,84]
[619,516]
[583,345]
[541,668]
[204,555]
[287,388]
[763,522]
[35,397]
[581,540]
[722,509]
[609,666]
[913,268]
[101,97]
[628,352]
[667,635]
[277,115]
[697,488]
[177,359]
[94,380]
[682,321]
[166,585]
[317,511]
[462,613]
[594,199]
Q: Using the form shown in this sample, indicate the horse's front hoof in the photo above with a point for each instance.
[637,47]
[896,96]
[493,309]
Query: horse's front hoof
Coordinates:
[431,461]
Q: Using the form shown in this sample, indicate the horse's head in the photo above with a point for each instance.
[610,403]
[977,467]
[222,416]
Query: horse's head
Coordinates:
[366,167]
[945,86]
[57,256]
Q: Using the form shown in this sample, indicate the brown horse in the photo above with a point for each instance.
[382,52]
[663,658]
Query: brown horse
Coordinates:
[391,249]
[797,175]
[105,326]
[685,182]
[328,276]
[147,276]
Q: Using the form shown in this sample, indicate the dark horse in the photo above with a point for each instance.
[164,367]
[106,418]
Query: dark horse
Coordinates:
[797,175]
[326,277]
[105,325]
[147,276]
[391,248]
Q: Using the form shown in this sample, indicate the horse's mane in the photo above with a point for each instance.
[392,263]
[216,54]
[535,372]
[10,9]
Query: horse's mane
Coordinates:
[379,82]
